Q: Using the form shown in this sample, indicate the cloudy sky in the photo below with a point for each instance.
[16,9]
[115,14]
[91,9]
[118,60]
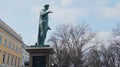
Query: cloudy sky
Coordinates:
[23,15]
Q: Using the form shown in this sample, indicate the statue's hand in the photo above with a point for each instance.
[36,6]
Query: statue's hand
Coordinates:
[50,11]
[49,28]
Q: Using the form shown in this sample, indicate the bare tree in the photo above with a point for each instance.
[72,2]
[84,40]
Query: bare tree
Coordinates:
[103,57]
[116,44]
[116,34]
[116,30]
[68,42]
[99,56]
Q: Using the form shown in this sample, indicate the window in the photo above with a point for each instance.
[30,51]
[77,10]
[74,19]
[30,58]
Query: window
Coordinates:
[15,61]
[5,42]
[13,46]
[0,39]
[12,60]
[9,44]
[16,48]
[3,58]
[0,51]
[18,62]
[8,59]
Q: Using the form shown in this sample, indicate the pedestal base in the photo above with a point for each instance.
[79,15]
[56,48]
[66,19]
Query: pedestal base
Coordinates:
[39,56]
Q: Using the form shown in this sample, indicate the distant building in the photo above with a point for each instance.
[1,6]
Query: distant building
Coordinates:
[10,47]
[25,56]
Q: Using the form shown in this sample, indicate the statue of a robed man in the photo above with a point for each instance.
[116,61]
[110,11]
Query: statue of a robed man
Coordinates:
[43,25]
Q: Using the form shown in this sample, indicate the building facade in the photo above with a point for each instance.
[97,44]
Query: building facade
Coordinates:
[10,47]
[25,56]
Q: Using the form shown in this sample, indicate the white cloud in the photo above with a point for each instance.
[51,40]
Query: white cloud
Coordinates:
[35,10]
[34,37]
[101,2]
[64,15]
[104,36]
[110,12]
[66,2]
[69,15]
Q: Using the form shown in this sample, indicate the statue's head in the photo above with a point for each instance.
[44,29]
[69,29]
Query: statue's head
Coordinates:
[46,6]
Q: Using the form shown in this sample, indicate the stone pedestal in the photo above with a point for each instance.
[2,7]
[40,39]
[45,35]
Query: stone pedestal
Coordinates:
[39,56]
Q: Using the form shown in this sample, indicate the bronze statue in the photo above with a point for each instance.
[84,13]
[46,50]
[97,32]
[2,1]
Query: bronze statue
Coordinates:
[43,25]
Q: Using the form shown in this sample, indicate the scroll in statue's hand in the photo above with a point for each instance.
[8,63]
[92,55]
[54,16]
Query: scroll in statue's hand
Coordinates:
[50,11]
[49,28]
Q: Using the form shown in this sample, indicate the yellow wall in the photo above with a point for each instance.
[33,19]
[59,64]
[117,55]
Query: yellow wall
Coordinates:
[7,50]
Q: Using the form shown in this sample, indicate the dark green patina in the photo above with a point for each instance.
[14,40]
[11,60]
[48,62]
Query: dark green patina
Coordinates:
[39,61]
[43,27]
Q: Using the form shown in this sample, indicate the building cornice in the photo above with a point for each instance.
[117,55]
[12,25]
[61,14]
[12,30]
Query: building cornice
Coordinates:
[10,31]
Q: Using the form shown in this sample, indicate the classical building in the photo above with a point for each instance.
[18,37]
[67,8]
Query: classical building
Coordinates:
[10,47]
[25,56]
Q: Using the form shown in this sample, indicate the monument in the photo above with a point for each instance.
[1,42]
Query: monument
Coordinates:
[40,53]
